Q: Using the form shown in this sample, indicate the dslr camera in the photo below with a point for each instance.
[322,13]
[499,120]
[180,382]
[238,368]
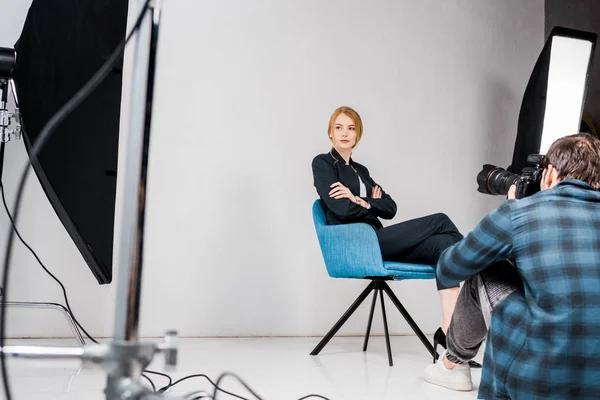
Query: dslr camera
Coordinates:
[497,181]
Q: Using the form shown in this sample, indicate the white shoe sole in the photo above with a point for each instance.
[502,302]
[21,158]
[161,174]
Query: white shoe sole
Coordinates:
[459,386]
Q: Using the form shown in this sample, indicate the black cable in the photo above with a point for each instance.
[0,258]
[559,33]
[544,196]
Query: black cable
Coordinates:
[151,383]
[44,135]
[314,395]
[198,395]
[240,380]
[164,389]
[160,374]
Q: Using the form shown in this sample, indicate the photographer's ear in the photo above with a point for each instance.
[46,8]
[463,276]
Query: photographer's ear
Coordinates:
[550,177]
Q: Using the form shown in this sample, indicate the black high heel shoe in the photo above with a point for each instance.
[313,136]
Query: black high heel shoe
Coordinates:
[440,338]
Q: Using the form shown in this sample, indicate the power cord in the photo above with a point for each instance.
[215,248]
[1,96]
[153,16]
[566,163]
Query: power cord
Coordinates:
[160,374]
[240,380]
[217,388]
[164,389]
[151,383]
[198,395]
[245,385]
[43,137]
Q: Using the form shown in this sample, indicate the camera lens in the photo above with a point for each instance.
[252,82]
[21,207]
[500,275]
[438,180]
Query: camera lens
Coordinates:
[495,180]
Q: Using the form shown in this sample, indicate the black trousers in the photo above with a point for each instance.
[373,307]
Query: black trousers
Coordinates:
[419,241]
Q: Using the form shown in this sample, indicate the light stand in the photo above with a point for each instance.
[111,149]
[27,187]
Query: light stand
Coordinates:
[125,358]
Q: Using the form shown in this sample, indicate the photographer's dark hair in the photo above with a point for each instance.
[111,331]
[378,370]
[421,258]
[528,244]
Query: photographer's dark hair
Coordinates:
[577,157]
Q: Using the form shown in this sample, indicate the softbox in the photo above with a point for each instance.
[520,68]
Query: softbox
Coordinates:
[553,102]
[62,45]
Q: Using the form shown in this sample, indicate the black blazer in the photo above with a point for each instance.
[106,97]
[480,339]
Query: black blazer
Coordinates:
[329,168]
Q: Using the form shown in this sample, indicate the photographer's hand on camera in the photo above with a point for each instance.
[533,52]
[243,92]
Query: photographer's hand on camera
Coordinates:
[512,193]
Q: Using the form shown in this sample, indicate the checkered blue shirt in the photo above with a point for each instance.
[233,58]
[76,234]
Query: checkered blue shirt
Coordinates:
[544,341]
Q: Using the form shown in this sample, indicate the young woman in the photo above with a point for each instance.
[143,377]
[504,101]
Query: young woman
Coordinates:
[349,194]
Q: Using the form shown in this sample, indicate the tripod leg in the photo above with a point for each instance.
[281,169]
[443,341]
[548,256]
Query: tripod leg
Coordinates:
[343,320]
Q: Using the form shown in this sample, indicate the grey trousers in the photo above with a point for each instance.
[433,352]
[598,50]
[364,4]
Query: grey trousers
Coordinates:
[476,301]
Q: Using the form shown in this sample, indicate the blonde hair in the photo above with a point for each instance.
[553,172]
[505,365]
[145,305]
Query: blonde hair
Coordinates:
[350,113]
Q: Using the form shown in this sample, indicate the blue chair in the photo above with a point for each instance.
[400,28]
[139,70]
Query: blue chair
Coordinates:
[352,251]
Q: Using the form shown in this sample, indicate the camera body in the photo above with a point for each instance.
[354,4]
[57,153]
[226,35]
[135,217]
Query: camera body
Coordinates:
[531,177]
[497,181]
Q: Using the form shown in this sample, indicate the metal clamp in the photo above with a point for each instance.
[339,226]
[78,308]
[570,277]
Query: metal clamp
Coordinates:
[6,118]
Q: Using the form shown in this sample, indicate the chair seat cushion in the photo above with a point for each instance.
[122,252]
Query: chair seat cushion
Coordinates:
[409,271]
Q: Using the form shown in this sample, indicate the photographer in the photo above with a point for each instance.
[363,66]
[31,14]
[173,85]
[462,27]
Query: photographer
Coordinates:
[544,339]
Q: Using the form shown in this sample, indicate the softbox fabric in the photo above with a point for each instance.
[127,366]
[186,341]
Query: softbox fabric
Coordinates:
[62,45]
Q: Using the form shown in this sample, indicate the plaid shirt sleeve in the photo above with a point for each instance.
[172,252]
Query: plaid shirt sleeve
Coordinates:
[490,241]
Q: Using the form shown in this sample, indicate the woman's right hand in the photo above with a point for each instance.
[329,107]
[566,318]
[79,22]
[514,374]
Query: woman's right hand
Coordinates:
[376,192]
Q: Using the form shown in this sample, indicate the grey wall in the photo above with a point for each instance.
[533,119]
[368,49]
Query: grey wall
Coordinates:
[245,86]
[583,15]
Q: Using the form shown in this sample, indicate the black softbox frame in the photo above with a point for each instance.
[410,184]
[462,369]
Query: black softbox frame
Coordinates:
[63,43]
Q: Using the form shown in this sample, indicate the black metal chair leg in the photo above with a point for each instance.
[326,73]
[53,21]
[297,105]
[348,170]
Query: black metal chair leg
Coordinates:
[343,320]
[409,319]
[385,328]
[370,321]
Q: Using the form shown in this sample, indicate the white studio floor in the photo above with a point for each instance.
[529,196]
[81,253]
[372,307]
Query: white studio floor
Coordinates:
[276,368]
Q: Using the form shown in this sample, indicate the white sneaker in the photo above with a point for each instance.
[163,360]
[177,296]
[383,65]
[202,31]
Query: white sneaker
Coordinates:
[457,378]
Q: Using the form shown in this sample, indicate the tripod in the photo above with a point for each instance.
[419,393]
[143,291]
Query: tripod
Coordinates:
[125,357]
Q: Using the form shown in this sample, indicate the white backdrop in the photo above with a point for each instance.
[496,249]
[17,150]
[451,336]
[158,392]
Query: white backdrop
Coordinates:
[244,92]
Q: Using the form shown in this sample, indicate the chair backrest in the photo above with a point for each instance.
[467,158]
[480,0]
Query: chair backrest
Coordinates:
[318,215]
[349,250]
